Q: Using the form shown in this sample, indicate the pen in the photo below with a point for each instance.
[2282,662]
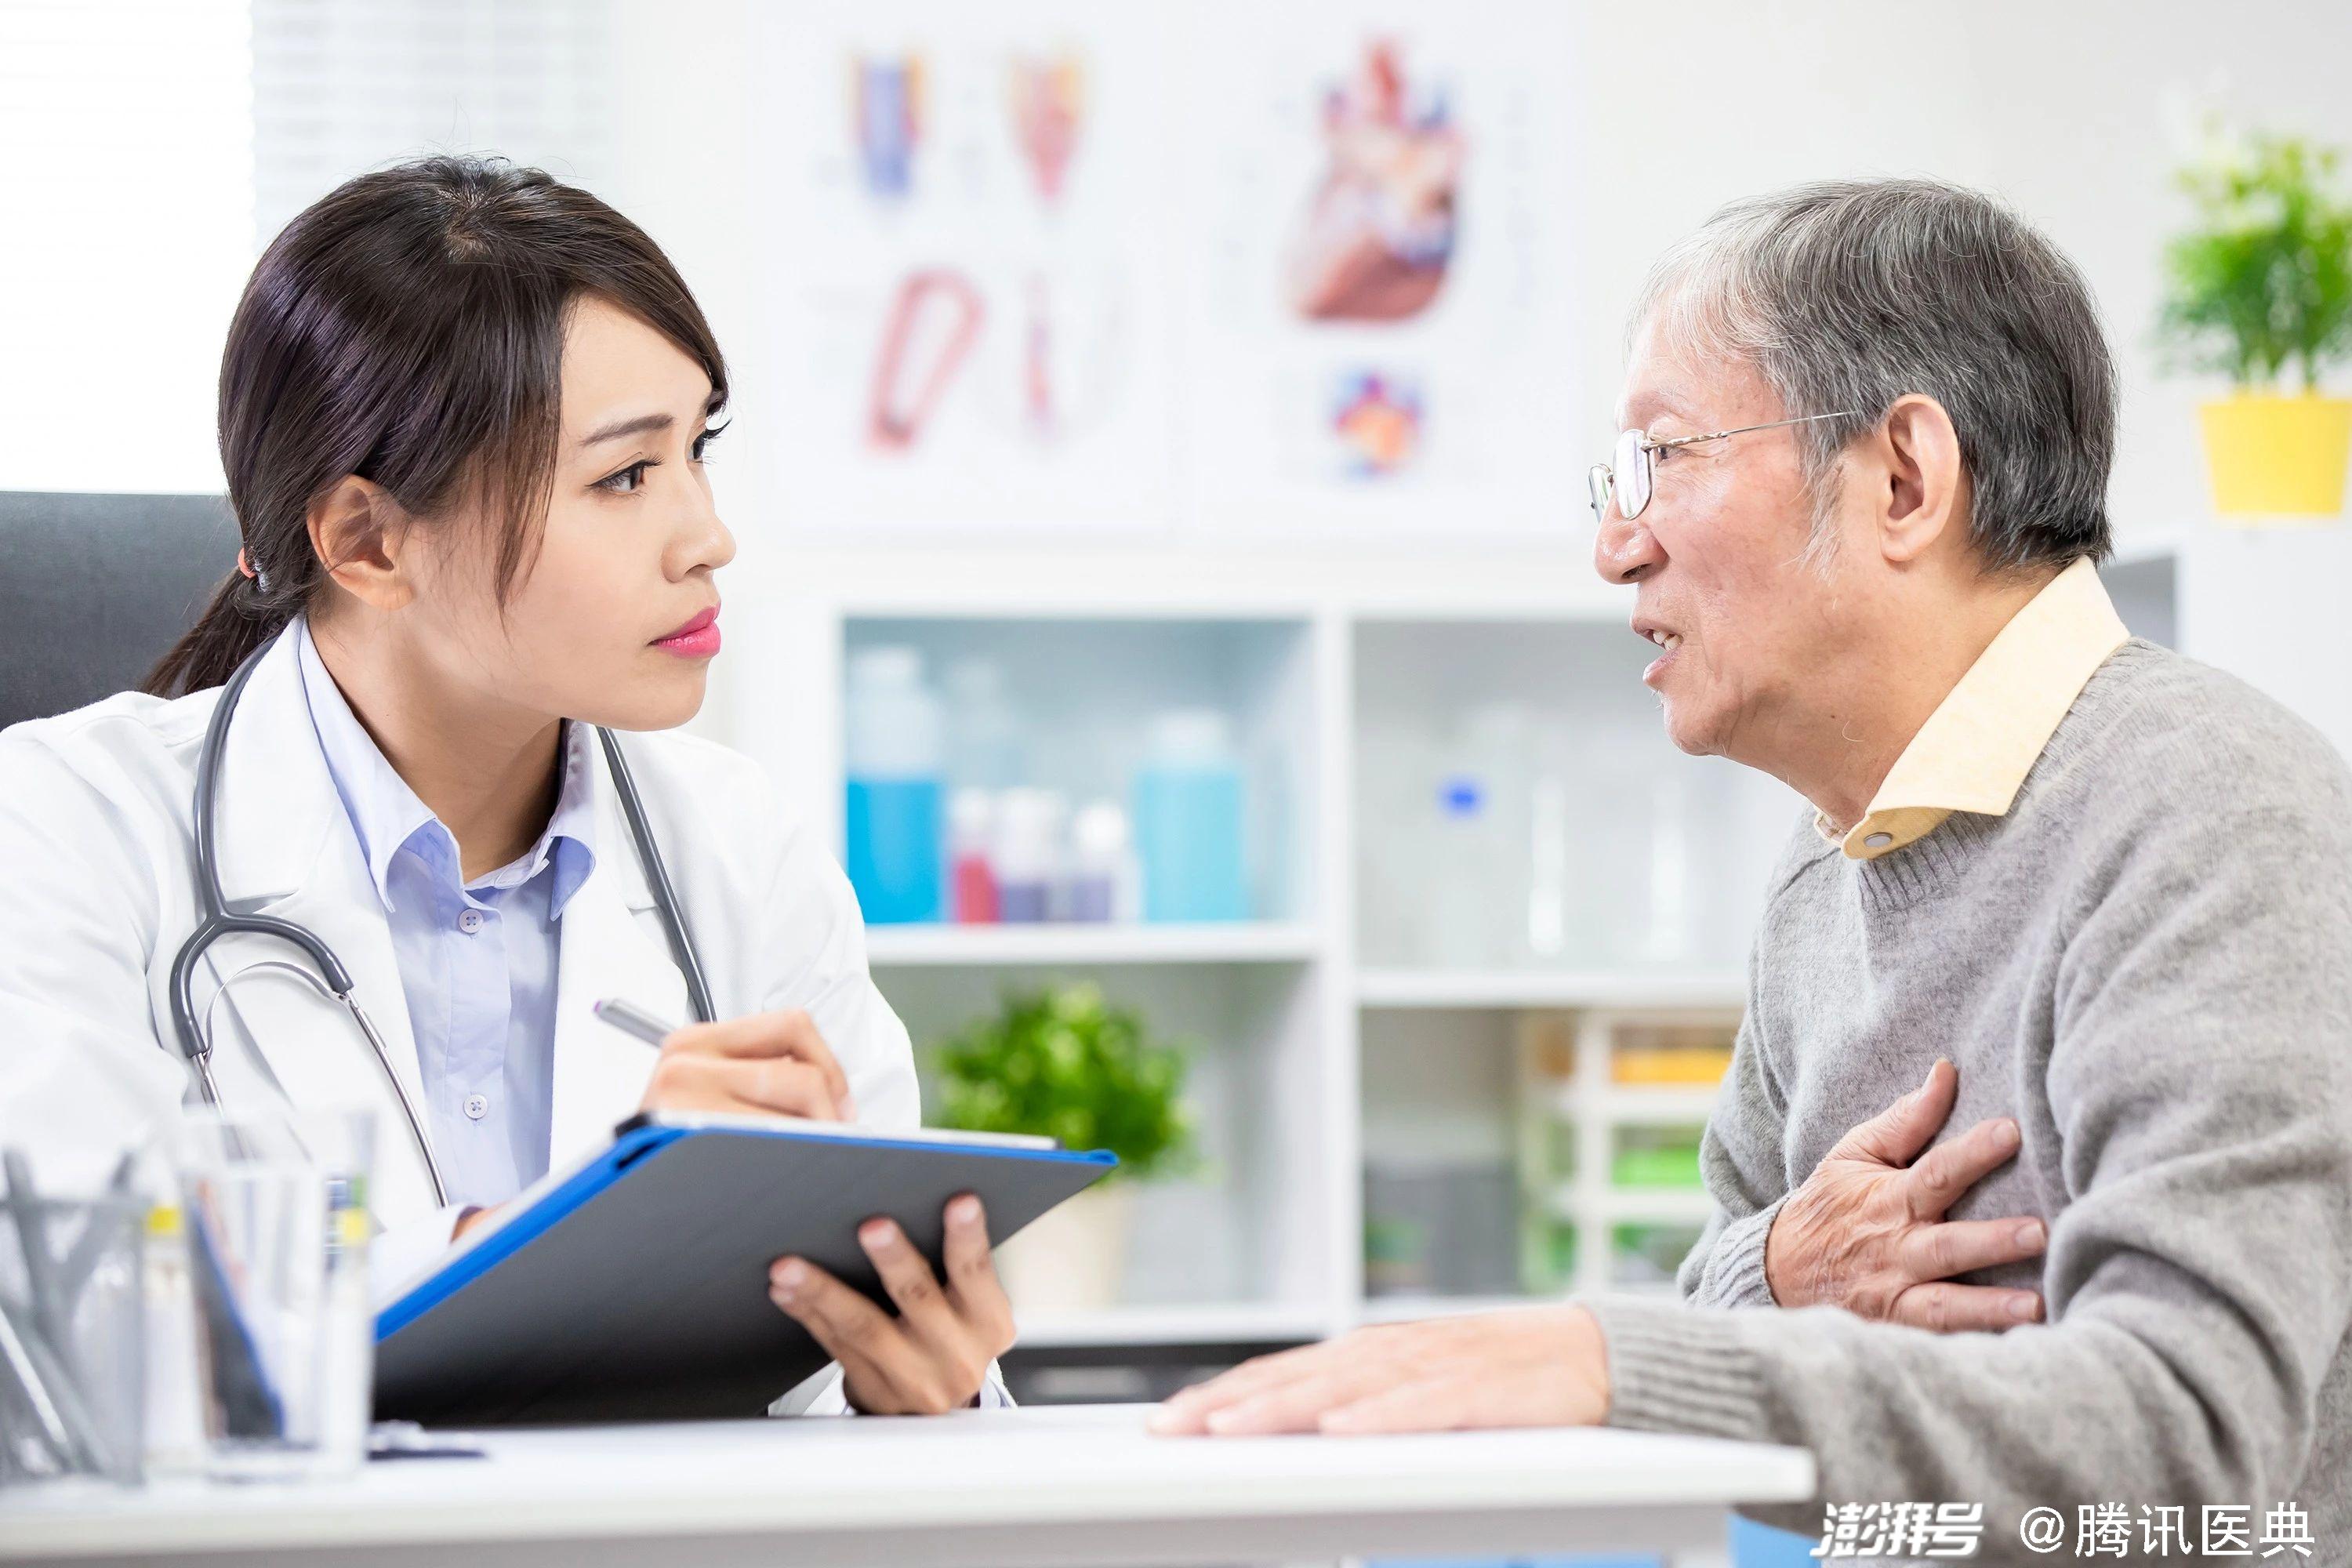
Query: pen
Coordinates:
[91,1451]
[632,1019]
[16,1354]
[80,1263]
[249,1406]
[33,1241]
[46,1343]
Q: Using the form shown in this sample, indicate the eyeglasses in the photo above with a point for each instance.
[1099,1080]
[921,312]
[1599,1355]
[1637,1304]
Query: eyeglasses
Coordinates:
[1631,475]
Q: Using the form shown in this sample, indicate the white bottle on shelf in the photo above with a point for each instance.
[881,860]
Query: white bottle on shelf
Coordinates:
[1397,769]
[1028,859]
[983,732]
[1544,937]
[1479,896]
[1102,880]
[1670,921]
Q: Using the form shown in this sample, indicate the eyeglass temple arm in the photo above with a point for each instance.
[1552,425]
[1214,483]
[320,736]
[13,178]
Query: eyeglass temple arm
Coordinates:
[1650,446]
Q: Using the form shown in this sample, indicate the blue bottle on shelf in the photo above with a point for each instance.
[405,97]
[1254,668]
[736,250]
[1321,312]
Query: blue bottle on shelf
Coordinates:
[1189,821]
[894,818]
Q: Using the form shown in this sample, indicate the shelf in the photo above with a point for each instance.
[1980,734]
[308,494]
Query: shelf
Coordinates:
[1521,990]
[1632,1205]
[1663,1205]
[1410,1308]
[951,946]
[1208,1323]
[1668,1105]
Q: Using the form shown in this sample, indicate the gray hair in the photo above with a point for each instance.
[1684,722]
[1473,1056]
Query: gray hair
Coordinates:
[1848,294]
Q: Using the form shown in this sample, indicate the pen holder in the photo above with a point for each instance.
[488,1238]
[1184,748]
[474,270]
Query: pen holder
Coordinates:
[276,1232]
[72,1345]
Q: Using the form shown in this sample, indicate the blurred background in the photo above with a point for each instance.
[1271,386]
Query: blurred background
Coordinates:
[1159,451]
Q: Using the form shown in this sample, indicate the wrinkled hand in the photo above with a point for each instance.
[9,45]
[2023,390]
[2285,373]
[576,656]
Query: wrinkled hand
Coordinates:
[759,1064]
[934,1355]
[1544,1366]
[1866,1231]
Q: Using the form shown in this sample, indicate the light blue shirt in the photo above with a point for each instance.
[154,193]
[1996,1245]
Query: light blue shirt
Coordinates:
[477,960]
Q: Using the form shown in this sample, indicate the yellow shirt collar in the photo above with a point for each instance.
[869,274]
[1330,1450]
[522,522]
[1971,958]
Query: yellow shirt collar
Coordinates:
[1976,747]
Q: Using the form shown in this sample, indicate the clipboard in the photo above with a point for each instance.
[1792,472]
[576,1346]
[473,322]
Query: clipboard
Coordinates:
[636,1286]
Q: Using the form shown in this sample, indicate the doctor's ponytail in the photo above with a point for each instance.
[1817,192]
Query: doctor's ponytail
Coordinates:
[407,329]
[240,618]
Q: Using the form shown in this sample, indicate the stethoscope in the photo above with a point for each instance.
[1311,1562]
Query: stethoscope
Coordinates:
[195,1032]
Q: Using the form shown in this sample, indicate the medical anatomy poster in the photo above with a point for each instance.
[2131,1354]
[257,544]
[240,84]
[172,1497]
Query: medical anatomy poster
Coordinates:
[1376,323]
[1223,267]
[971,309]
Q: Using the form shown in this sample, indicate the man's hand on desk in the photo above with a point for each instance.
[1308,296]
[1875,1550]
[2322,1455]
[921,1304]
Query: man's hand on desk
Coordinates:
[1543,1366]
[933,1356]
[763,1063]
[1866,1231]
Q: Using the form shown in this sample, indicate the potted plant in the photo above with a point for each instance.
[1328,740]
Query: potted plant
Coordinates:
[1063,1062]
[2260,290]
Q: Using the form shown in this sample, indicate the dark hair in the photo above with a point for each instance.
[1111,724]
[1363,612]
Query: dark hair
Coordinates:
[1848,294]
[409,327]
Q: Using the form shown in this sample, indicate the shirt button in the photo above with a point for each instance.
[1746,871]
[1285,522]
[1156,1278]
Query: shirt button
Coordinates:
[476,1106]
[1875,841]
[470,922]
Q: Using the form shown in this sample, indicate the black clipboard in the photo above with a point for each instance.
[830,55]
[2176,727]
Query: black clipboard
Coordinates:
[635,1288]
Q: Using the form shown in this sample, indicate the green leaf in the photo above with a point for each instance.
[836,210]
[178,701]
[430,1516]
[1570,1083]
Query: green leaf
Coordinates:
[2262,282]
[1063,1062]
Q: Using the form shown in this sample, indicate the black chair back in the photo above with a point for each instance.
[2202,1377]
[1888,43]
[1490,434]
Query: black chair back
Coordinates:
[94,588]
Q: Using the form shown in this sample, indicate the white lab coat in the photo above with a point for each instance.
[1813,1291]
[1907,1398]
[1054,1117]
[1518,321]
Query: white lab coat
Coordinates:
[97,874]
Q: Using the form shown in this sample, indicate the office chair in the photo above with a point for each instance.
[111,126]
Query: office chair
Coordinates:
[94,588]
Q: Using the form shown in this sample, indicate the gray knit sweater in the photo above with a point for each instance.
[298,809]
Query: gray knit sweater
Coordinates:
[2149,962]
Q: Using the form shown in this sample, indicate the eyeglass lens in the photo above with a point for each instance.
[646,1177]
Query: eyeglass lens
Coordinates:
[1630,469]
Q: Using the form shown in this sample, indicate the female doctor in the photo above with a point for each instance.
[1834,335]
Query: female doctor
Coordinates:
[464,412]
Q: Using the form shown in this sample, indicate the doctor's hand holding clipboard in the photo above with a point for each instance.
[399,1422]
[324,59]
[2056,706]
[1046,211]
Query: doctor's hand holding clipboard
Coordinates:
[936,1353]
[410,796]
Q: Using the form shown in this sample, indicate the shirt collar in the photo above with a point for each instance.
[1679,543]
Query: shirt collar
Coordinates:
[387,816]
[1975,750]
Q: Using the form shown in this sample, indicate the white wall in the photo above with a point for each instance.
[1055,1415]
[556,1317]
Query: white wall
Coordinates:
[2070,109]
[2272,608]
[126,218]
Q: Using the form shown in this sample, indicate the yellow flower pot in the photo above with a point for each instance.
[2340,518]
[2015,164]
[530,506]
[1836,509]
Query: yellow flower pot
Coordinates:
[2278,457]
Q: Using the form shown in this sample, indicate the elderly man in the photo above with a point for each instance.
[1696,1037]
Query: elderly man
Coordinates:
[2085,899]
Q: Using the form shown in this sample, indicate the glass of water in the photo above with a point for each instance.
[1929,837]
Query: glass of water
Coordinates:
[276,1227]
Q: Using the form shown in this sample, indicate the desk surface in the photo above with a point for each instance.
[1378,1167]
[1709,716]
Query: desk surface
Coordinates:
[1050,1484]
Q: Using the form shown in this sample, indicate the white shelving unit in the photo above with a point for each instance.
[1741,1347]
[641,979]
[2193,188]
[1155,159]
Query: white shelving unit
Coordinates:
[1534,990]
[1665,1106]
[1324,1047]
[1594,1107]
[1028,946]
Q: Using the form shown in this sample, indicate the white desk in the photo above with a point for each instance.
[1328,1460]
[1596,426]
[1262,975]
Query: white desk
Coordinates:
[1048,1485]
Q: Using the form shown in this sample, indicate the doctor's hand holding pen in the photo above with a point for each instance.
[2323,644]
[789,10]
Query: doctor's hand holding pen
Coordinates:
[760,1064]
[763,1063]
